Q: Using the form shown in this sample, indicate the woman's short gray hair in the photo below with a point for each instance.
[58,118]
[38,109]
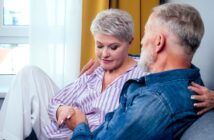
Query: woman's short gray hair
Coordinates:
[114,22]
[184,21]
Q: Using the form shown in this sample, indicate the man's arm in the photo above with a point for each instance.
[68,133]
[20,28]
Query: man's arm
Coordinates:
[145,118]
[90,67]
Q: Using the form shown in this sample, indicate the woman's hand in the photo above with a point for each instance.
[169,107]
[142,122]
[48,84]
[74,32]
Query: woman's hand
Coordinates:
[77,117]
[64,113]
[205,98]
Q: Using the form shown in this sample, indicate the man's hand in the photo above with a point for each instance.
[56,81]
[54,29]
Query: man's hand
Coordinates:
[90,67]
[64,113]
[77,117]
[205,98]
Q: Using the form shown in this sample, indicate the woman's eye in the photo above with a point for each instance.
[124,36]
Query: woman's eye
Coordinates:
[99,46]
[114,47]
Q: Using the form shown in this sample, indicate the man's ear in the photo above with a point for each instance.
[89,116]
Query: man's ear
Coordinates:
[159,42]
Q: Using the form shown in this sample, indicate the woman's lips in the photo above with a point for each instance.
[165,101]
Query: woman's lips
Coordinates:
[106,61]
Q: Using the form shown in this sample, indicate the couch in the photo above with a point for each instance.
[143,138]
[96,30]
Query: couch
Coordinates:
[201,129]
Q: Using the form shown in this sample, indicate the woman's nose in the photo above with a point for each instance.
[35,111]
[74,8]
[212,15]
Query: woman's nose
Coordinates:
[105,52]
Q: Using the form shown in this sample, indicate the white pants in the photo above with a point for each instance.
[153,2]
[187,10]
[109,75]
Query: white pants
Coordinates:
[25,105]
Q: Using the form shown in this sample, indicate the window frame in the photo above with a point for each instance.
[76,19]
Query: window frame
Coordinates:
[10,34]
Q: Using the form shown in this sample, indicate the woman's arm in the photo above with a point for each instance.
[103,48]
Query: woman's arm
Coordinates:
[60,104]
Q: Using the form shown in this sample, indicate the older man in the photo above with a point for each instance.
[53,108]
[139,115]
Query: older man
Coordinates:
[156,106]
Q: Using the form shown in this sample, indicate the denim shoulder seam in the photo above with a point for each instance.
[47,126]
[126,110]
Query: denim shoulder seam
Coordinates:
[158,95]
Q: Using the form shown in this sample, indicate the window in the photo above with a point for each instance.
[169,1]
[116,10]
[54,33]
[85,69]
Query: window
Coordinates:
[14,47]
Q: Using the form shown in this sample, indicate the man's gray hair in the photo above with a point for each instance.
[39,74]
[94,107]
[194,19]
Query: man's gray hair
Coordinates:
[114,22]
[184,21]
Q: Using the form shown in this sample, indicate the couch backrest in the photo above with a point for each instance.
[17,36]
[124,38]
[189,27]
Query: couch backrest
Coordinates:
[202,129]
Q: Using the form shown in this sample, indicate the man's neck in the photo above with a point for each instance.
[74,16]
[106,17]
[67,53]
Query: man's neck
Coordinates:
[166,66]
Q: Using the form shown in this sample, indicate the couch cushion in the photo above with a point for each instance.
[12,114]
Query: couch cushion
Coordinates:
[202,129]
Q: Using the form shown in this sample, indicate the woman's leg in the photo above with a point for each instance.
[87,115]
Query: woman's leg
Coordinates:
[25,105]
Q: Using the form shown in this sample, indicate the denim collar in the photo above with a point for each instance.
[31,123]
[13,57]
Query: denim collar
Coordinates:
[170,75]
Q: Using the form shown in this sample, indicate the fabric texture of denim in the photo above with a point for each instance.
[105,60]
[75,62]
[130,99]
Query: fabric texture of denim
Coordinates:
[156,106]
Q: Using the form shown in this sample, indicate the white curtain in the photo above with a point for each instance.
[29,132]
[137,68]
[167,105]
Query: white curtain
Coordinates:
[55,38]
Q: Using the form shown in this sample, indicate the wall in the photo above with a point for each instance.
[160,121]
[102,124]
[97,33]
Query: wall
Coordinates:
[1,101]
[204,57]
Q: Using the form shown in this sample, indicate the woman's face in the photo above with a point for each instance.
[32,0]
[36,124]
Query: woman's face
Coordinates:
[110,51]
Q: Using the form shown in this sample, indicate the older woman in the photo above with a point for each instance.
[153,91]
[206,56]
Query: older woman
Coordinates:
[98,93]
[95,94]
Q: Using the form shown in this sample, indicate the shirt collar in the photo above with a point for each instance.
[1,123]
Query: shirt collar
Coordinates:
[100,71]
[176,74]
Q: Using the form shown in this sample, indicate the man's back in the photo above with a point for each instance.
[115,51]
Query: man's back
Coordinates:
[171,87]
[157,106]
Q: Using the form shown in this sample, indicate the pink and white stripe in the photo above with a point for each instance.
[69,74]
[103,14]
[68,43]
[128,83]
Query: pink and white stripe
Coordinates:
[85,93]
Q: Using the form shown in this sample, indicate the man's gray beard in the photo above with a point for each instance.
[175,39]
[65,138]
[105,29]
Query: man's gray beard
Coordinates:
[145,60]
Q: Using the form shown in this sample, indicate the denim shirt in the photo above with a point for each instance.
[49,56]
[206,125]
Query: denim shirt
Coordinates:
[154,107]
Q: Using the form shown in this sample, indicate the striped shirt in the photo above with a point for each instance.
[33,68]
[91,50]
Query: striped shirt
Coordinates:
[85,93]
